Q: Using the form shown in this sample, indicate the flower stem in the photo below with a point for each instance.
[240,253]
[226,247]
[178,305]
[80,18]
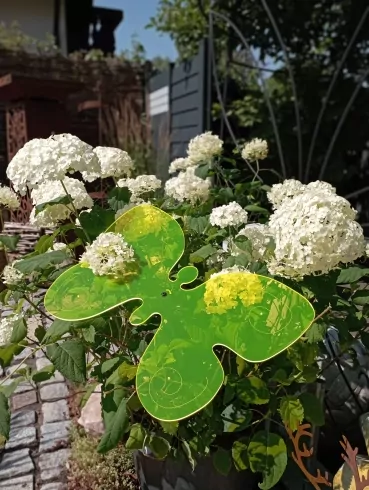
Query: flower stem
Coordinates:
[75,211]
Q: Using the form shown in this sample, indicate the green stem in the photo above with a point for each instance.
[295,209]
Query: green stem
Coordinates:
[37,308]
[75,211]
[3,381]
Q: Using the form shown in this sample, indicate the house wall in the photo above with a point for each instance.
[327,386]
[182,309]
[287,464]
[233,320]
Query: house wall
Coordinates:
[35,18]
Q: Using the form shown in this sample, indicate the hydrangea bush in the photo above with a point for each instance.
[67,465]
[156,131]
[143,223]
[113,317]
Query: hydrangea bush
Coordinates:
[303,235]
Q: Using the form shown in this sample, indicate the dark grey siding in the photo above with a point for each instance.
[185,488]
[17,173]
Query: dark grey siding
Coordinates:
[186,109]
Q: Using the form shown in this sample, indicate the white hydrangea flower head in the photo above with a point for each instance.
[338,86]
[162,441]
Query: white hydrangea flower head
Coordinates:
[6,327]
[217,259]
[227,270]
[12,276]
[108,255]
[314,232]
[367,249]
[320,186]
[256,149]
[179,164]
[140,185]
[53,215]
[231,214]
[8,198]
[114,163]
[204,147]
[188,187]
[261,240]
[287,190]
[51,159]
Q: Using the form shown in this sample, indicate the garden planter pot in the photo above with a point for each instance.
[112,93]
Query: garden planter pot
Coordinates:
[168,474]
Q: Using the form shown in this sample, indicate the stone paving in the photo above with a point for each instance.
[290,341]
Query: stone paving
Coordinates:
[36,454]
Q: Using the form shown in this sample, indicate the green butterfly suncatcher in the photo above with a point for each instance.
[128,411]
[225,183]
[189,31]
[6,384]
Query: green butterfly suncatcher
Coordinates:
[255,316]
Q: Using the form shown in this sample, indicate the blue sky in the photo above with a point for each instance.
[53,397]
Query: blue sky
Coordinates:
[137,14]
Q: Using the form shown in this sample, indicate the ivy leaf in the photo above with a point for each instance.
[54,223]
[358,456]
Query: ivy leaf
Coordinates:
[292,412]
[158,445]
[351,274]
[97,221]
[136,437]
[41,261]
[4,416]
[19,331]
[56,331]
[313,409]
[127,371]
[202,254]
[169,427]
[10,241]
[267,454]
[115,428]
[70,359]
[118,198]
[235,419]
[198,225]
[222,461]
[252,390]
[239,454]
[316,333]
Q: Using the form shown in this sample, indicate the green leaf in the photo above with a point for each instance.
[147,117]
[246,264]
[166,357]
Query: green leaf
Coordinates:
[40,333]
[133,403]
[43,374]
[8,389]
[252,390]
[127,371]
[169,427]
[118,198]
[241,365]
[244,244]
[267,454]
[4,416]
[19,331]
[222,461]
[44,243]
[292,412]
[239,454]
[351,274]
[70,359]
[110,364]
[189,454]
[41,261]
[316,333]
[90,389]
[89,334]
[8,352]
[97,221]
[253,208]
[313,409]
[59,200]
[280,376]
[361,297]
[202,254]
[56,331]
[202,170]
[10,241]
[158,445]
[198,225]
[235,419]
[136,437]
[115,428]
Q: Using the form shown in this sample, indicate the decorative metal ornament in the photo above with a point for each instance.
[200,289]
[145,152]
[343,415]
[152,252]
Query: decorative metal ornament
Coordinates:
[254,316]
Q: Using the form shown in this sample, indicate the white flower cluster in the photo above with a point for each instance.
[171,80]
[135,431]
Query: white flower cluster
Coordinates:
[231,214]
[51,159]
[261,240]
[188,187]
[256,149]
[179,164]
[8,198]
[204,147]
[6,327]
[140,185]
[314,230]
[291,188]
[50,190]
[11,275]
[227,270]
[114,163]
[367,249]
[108,255]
